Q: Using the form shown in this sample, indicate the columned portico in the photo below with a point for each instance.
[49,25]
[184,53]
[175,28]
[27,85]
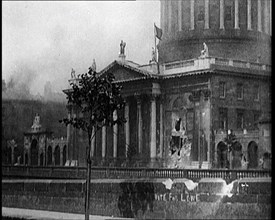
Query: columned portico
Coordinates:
[139,116]
[153,128]
[103,142]
[115,132]
[161,128]
[69,130]
[259,16]
[127,128]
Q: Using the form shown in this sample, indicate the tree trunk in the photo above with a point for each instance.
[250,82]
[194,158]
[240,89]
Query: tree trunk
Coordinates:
[88,178]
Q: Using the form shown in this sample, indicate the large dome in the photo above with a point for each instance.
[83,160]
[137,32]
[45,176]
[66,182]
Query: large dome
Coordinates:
[234,29]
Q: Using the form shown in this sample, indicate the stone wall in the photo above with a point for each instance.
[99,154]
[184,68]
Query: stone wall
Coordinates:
[145,198]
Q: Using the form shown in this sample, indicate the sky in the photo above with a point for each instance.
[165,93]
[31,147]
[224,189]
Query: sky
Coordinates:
[43,40]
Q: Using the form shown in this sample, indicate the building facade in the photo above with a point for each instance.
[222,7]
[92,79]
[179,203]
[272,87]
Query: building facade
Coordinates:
[41,149]
[213,76]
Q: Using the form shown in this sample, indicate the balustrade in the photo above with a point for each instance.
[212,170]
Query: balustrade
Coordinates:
[212,60]
[117,173]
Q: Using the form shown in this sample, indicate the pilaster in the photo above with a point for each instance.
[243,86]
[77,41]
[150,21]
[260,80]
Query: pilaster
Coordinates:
[237,14]
[206,14]
[221,14]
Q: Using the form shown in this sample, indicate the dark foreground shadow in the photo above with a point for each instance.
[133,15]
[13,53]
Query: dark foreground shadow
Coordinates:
[135,196]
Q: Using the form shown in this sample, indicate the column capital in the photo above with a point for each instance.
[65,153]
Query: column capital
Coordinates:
[206,93]
[195,96]
[153,97]
[138,97]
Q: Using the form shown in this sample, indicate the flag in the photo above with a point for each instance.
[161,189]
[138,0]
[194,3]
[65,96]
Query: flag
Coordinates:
[158,32]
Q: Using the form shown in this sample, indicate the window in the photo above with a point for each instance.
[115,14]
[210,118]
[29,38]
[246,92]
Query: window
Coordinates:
[223,118]
[228,13]
[201,13]
[240,119]
[222,89]
[256,91]
[240,91]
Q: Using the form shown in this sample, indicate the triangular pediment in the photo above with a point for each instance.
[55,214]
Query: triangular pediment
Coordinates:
[125,71]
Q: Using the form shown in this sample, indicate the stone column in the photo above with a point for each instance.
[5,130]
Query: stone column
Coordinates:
[139,116]
[249,27]
[61,156]
[115,133]
[259,16]
[12,155]
[221,14]
[53,157]
[161,127]
[206,14]
[153,132]
[127,128]
[237,26]
[169,16]
[266,23]
[180,15]
[12,145]
[103,142]
[69,138]
[192,16]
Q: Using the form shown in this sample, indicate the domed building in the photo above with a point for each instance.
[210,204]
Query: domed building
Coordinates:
[212,76]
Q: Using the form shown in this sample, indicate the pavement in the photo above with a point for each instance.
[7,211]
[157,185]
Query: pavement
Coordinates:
[49,215]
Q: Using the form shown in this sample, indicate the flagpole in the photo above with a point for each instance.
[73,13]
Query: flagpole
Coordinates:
[157,56]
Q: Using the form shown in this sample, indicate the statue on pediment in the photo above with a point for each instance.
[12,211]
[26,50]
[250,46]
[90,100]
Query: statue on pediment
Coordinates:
[204,52]
[93,67]
[122,47]
[36,123]
[73,74]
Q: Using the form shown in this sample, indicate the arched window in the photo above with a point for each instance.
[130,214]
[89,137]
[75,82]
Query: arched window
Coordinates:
[57,156]
[34,153]
[26,159]
[237,155]
[41,159]
[49,156]
[252,155]
[8,155]
[64,155]
[222,155]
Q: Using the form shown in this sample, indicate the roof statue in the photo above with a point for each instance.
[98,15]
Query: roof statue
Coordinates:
[122,47]
[36,123]
[204,52]
[73,74]
[93,67]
